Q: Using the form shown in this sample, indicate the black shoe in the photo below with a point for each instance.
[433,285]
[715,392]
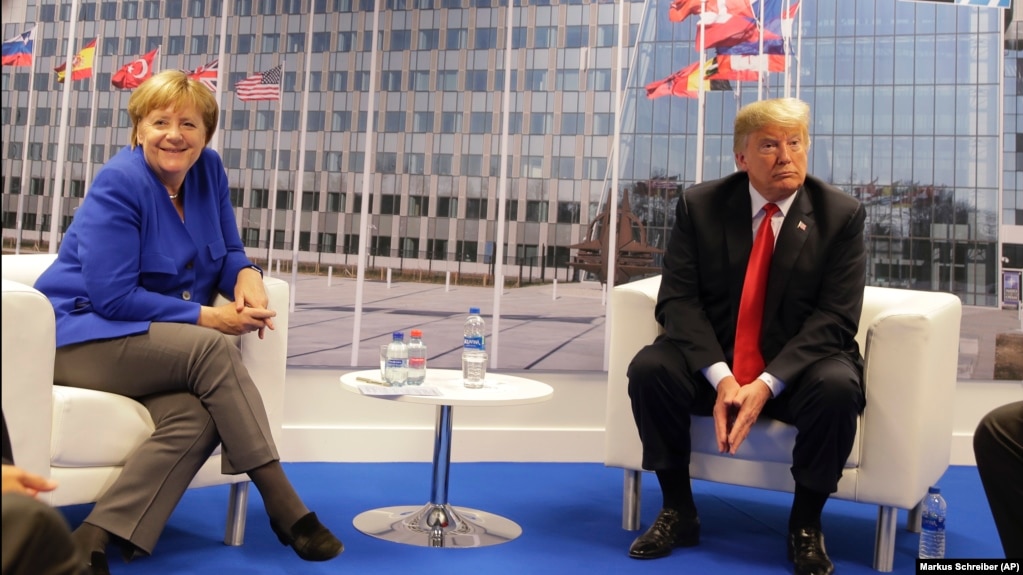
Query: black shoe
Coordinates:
[310,539]
[807,553]
[670,530]
[97,564]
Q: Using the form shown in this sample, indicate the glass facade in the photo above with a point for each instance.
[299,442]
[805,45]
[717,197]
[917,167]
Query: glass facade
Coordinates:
[916,111]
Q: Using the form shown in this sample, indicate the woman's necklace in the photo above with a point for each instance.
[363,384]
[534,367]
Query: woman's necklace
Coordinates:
[174,196]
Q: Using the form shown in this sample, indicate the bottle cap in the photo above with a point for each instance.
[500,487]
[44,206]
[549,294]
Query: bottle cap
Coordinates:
[416,333]
[474,310]
[397,336]
[933,489]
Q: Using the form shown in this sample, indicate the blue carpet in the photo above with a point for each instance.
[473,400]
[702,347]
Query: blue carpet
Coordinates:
[570,515]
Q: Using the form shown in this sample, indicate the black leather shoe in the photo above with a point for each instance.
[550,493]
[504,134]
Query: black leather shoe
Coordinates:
[670,530]
[310,539]
[807,553]
[97,564]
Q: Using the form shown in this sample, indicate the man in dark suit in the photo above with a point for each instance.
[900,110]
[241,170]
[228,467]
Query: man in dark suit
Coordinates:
[800,365]
[36,539]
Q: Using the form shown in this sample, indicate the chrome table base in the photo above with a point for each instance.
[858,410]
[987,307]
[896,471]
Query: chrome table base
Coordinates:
[434,525]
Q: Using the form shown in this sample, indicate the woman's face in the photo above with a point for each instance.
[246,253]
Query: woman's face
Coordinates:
[172,139]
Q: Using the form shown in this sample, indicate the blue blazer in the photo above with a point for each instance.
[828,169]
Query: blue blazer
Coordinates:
[128,259]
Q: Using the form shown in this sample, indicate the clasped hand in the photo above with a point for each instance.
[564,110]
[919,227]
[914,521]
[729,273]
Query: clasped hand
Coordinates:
[736,410]
[247,313]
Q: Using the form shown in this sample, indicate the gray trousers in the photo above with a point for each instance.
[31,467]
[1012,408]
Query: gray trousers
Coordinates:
[36,539]
[193,382]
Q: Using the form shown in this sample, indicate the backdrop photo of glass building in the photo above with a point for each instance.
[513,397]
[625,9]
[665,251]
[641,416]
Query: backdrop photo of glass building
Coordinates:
[916,111]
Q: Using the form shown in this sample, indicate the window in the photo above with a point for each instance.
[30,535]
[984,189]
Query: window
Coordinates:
[327,242]
[447,207]
[267,7]
[486,38]
[296,42]
[599,79]
[594,168]
[257,160]
[197,8]
[447,80]
[387,162]
[441,164]
[259,198]
[332,161]
[472,165]
[341,121]
[289,120]
[436,249]
[409,247]
[265,119]
[545,37]
[233,158]
[476,208]
[199,45]
[390,204]
[111,46]
[335,201]
[175,45]
[415,163]
[450,122]
[284,199]
[540,123]
[536,80]
[173,9]
[531,167]
[519,38]
[245,42]
[456,39]
[567,80]
[338,81]
[270,43]
[423,122]
[242,7]
[606,35]
[310,201]
[314,120]
[418,206]
[481,123]
[476,80]
[572,124]
[466,251]
[303,241]
[420,81]
[511,210]
[428,39]
[568,212]
[401,40]
[362,81]
[390,81]
[603,124]
[321,42]
[345,41]
[394,121]
[576,36]
[536,211]
[563,167]
[240,120]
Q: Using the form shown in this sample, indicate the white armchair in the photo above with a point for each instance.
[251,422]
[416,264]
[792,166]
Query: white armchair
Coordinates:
[910,342]
[82,437]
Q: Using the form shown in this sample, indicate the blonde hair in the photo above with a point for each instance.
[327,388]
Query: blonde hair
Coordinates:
[172,89]
[781,112]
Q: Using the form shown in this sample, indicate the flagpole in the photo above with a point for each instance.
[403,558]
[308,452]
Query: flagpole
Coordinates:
[612,198]
[760,68]
[785,46]
[273,180]
[25,187]
[300,176]
[700,94]
[367,159]
[221,64]
[502,187]
[799,45]
[87,156]
[65,107]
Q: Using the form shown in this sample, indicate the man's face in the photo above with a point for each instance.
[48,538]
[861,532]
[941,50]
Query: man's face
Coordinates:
[775,159]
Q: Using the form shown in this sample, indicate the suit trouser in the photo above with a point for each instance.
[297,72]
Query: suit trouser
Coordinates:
[198,392]
[36,539]
[823,405]
[998,446]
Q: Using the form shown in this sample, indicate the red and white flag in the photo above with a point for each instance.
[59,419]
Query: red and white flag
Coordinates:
[260,86]
[133,74]
[207,75]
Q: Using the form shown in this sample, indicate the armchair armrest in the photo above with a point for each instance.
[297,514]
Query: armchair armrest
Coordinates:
[29,342]
[267,358]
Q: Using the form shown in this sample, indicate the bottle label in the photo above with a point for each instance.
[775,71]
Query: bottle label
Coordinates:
[473,342]
[395,362]
[417,362]
[932,523]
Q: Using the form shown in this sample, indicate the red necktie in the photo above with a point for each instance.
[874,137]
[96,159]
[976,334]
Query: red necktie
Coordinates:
[748,364]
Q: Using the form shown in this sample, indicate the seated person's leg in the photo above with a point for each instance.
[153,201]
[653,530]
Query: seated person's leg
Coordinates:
[36,539]
[998,446]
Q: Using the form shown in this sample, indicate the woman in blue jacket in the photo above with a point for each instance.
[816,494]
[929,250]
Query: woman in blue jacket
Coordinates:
[150,247]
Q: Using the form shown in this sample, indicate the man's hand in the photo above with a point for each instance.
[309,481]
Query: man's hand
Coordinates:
[17,480]
[736,410]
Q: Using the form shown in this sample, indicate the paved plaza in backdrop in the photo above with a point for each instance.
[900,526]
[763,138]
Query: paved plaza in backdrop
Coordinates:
[542,327]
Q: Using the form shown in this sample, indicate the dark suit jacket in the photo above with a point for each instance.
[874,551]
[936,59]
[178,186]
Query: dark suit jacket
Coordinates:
[815,288]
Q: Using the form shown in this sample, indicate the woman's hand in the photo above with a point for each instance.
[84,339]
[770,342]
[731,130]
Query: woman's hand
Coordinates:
[249,292]
[227,318]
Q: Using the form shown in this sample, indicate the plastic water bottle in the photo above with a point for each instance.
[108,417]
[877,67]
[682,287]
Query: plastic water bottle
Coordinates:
[932,526]
[474,354]
[416,359]
[396,368]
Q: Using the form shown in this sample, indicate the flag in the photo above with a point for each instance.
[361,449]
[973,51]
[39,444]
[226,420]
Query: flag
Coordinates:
[207,75]
[746,68]
[136,72]
[264,86]
[81,64]
[18,50]
[726,23]
[685,83]
[717,10]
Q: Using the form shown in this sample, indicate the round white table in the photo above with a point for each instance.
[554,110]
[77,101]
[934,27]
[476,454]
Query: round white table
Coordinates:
[439,524]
